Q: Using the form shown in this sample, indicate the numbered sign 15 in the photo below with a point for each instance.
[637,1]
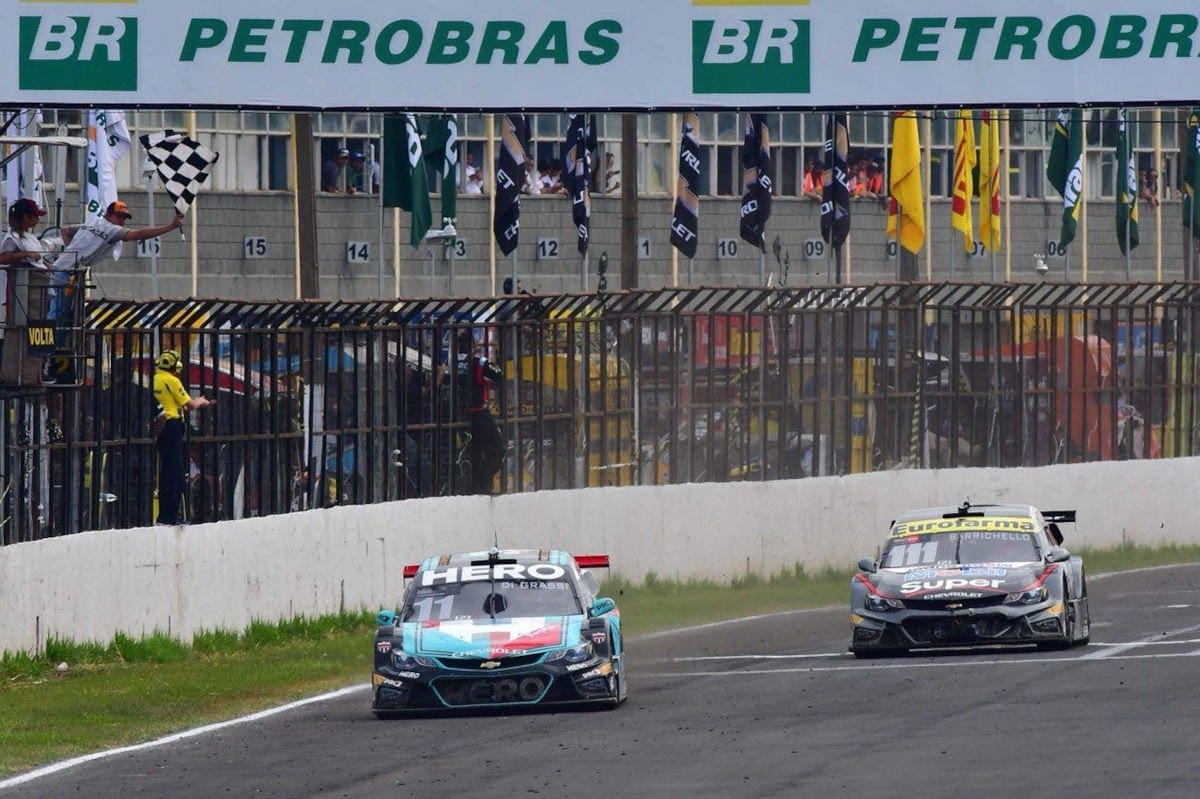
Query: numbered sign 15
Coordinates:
[727,249]
[814,249]
[254,247]
[358,252]
[547,249]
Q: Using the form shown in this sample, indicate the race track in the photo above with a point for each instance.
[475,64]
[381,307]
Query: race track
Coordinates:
[772,706]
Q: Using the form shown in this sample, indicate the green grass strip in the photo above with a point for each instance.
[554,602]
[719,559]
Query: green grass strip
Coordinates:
[131,690]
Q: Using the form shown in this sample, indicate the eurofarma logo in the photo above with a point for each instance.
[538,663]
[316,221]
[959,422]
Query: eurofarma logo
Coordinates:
[80,52]
[739,53]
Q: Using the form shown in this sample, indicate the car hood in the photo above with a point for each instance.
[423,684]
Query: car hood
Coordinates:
[973,581]
[491,638]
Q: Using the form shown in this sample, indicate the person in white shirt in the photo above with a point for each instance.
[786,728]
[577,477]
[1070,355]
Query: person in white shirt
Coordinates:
[533,178]
[87,245]
[20,247]
[474,182]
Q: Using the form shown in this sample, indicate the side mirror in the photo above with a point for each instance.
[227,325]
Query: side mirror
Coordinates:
[1058,555]
[601,606]
[866,565]
[1055,533]
[386,618]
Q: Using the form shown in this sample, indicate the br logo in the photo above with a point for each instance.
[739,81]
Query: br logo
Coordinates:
[79,53]
[751,57]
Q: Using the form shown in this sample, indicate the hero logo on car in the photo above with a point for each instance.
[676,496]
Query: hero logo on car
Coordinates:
[501,571]
[383,647]
[948,585]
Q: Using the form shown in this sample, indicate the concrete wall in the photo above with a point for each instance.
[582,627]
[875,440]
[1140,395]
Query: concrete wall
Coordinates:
[226,218]
[91,585]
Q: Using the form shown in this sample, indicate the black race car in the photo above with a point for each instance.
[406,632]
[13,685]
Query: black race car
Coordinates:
[504,628]
[971,575]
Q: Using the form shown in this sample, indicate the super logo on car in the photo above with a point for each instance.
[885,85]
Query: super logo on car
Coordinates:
[951,584]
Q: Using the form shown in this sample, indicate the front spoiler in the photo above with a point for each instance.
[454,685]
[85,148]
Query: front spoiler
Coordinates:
[930,629]
[443,690]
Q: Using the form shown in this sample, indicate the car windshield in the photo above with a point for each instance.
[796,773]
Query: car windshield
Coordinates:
[477,600]
[974,547]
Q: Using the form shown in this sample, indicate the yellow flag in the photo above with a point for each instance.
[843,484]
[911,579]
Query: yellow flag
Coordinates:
[989,181]
[964,179]
[907,208]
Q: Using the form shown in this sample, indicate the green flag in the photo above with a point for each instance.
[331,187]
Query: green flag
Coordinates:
[1065,169]
[1127,191]
[405,184]
[1191,174]
[441,150]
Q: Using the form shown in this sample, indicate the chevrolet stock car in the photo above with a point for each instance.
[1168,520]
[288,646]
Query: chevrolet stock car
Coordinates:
[973,575]
[503,628]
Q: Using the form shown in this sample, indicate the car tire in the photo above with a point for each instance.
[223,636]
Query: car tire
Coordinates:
[1068,640]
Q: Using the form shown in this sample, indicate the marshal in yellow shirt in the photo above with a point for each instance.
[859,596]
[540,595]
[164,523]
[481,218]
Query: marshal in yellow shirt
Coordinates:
[170,394]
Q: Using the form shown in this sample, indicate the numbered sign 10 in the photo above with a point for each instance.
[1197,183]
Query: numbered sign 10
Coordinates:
[254,247]
[727,249]
[358,252]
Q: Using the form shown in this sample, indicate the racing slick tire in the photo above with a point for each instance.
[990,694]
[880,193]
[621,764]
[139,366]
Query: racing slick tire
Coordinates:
[1068,641]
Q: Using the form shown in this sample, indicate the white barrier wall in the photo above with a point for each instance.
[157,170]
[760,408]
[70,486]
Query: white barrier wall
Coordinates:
[91,585]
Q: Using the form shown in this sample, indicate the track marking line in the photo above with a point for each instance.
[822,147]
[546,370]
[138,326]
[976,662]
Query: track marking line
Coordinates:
[954,664]
[63,765]
[1151,639]
[729,622]
[1143,570]
[701,658]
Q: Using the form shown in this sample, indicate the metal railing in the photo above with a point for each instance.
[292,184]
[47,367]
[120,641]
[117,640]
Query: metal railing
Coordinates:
[323,403]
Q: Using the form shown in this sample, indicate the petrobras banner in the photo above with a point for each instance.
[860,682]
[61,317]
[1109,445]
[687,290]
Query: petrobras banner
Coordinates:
[483,54]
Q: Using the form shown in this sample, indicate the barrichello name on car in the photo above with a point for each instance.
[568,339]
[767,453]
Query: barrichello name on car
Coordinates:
[401,41]
[501,571]
[1027,38]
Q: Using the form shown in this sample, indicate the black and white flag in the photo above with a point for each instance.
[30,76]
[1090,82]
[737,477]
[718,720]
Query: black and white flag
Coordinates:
[835,204]
[577,175]
[756,199]
[510,177]
[685,222]
[181,163]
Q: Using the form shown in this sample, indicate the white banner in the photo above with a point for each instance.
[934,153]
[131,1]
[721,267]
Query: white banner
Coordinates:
[534,54]
[24,175]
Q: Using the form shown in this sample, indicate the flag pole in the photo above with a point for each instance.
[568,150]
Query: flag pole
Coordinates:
[370,175]
[1006,194]
[675,143]
[583,272]
[1129,201]
[1158,206]
[491,165]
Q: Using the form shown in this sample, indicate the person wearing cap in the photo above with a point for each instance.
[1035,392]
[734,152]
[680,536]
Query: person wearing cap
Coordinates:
[359,175]
[331,172]
[20,248]
[87,245]
[173,401]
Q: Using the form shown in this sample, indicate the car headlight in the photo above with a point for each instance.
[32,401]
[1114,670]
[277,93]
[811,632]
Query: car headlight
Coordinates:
[575,654]
[882,604]
[1031,597]
[403,660]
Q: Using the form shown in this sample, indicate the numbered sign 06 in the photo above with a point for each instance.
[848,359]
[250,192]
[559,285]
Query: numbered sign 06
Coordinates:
[1055,250]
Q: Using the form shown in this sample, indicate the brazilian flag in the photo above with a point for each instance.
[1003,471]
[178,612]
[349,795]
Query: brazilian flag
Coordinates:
[1127,191]
[1065,170]
[1191,174]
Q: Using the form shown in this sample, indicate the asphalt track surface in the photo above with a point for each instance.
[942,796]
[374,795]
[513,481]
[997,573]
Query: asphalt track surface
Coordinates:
[770,706]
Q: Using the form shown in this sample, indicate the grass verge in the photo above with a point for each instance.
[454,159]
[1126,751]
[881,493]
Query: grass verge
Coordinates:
[132,690]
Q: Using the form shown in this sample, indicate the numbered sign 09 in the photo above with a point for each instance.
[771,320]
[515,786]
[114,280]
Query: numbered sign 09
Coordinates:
[814,249]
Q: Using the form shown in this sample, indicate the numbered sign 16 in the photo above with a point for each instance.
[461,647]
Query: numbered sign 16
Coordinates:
[814,249]
[727,249]
[358,252]
[147,248]
[547,249]
[254,247]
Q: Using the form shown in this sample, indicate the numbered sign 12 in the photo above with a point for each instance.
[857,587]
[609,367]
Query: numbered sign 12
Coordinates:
[547,249]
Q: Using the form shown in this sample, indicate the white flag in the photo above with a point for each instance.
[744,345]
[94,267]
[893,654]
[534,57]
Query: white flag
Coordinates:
[24,174]
[108,142]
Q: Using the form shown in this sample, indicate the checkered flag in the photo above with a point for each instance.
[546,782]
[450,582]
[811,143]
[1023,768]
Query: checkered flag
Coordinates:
[181,163]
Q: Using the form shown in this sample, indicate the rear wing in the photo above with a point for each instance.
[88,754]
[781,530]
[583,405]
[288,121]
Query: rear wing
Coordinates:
[584,562]
[1059,516]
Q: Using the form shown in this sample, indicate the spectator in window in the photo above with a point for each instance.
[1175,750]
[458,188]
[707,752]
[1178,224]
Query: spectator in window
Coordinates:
[814,182]
[475,182]
[552,182]
[533,178]
[360,176]
[875,180]
[1148,187]
[331,172]
[612,174]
